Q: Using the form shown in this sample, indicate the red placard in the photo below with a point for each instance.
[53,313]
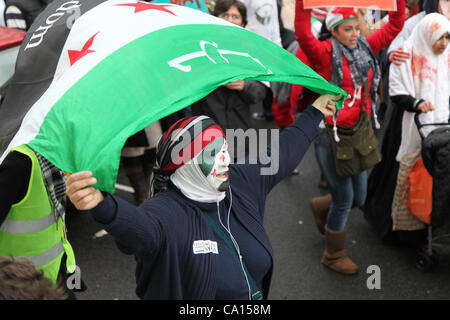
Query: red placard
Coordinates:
[390,5]
[10,37]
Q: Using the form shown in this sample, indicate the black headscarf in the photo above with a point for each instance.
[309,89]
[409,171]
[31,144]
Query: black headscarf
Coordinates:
[429,6]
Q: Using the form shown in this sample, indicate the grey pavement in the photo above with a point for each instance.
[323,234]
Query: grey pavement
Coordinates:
[298,246]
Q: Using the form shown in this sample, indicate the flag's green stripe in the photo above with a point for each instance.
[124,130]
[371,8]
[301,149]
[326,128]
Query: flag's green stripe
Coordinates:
[134,86]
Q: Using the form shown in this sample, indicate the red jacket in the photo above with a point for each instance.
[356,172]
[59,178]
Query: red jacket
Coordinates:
[319,54]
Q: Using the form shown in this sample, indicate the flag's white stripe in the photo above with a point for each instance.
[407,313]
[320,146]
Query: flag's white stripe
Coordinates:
[114,31]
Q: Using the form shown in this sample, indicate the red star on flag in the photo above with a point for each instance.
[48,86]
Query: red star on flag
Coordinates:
[143,6]
[75,55]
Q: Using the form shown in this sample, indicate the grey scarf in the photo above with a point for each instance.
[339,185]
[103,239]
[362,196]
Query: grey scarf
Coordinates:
[360,60]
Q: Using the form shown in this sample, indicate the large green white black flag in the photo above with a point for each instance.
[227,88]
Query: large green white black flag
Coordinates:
[92,73]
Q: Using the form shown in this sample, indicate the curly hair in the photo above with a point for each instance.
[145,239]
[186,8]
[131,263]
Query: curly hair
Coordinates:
[19,280]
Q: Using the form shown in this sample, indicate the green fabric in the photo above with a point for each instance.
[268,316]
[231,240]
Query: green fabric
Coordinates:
[88,126]
[342,21]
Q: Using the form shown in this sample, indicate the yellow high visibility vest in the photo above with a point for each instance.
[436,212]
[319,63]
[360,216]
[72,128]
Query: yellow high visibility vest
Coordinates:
[31,229]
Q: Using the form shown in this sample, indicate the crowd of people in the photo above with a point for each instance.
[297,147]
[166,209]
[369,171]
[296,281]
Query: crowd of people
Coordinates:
[390,63]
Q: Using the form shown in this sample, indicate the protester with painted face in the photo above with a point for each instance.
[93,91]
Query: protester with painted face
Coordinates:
[347,60]
[201,234]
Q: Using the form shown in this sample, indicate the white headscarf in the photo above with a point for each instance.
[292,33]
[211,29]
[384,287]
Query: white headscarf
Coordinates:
[424,76]
[192,182]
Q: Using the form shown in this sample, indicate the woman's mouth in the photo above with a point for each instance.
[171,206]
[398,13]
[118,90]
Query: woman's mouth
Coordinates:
[223,175]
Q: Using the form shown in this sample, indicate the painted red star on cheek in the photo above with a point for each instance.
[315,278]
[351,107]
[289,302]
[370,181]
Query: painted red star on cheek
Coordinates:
[214,173]
[222,158]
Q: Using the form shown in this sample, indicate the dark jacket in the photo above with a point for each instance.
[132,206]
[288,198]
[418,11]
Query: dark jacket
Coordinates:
[436,157]
[231,108]
[161,232]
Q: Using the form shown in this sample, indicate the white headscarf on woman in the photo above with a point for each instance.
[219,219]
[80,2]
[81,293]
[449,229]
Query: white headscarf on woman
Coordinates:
[424,76]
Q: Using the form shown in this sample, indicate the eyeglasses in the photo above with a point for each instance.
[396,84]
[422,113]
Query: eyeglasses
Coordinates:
[227,16]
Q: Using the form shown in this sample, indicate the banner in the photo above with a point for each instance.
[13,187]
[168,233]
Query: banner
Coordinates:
[78,93]
[390,5]
[195,4]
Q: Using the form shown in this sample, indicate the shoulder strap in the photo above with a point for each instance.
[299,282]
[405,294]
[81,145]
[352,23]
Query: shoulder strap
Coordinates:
[256,293]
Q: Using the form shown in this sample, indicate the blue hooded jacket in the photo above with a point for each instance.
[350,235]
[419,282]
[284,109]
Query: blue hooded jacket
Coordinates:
[161,231]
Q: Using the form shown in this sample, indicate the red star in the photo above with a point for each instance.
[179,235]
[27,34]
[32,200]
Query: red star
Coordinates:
[222,158]
[142,6]
[214,173]
[75,55]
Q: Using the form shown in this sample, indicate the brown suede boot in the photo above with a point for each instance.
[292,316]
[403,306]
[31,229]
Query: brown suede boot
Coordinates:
[335,255]
[320,207]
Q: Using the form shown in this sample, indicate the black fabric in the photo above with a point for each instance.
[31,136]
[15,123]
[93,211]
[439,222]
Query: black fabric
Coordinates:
[381,186]
[63,278]
[15,173]
[131,162]
[436,157]
[139,139]
[230,108]
[430,6]
[30,8]
[383,178]
[406,102]
[166,122]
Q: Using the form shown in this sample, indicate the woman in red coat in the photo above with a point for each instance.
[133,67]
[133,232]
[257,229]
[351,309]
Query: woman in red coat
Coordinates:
[348,60]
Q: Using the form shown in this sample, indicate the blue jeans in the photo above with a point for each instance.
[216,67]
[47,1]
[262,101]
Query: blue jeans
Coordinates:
[346,192]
